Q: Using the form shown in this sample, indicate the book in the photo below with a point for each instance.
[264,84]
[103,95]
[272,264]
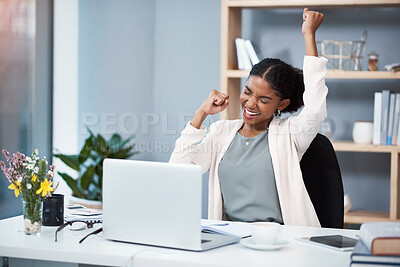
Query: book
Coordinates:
[396,119]
[251,52]
[377,118]
[239,54]
[242,55]
[361,254]
[371,264]
[384,116]
[398,133]
[392,100]
[381,238]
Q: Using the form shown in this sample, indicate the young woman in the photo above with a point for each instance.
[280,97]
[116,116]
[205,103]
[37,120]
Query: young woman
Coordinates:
[254,162]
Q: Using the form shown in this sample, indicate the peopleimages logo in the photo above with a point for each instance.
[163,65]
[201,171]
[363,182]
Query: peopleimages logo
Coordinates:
[166,129]
[131,123]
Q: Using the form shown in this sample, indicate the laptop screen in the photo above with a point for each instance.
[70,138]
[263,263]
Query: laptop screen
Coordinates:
[152,203]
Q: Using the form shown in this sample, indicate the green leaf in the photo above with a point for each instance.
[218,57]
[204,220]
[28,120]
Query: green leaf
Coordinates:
[122,144]
[123,153]
[86,149]
[100,146]
[90,132]
[115,139]
[127,140]
[73,184]
[87,177]
[42,170]
[70,160]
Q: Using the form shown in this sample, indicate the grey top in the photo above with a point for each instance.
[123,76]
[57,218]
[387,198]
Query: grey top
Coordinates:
[248,182]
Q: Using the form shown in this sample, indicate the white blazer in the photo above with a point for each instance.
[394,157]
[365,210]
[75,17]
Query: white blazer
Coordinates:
[288,139]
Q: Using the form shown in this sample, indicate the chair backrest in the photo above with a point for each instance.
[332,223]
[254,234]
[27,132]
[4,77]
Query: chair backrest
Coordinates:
[323,180]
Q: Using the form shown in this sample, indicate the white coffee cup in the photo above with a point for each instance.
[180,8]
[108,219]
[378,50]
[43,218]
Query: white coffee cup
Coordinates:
[363,132]
[265,233]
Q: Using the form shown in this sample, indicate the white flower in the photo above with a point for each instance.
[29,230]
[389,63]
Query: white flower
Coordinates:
[50,173]
[24,164]
[28,159]
[36,170]
[30,166]
[19,179]
[29,186]
[36,151]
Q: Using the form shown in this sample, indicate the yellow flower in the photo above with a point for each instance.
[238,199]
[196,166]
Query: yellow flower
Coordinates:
[34,177]
[16,188]
[45,188]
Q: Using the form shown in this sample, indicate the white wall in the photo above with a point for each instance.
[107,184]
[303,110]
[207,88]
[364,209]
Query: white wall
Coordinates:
[116,76]
[65,83]
[186,64]
[186,68]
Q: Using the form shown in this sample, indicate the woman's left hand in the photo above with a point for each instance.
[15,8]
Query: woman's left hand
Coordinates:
[311,21]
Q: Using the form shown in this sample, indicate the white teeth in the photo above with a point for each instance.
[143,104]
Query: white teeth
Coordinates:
[251,113]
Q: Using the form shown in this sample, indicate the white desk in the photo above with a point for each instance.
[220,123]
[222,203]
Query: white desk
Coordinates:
[98,251]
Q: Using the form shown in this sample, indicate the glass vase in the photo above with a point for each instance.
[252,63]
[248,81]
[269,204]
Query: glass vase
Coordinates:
[32,212]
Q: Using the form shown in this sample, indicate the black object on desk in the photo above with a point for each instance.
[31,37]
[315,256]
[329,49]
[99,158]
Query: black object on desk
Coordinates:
[53,210]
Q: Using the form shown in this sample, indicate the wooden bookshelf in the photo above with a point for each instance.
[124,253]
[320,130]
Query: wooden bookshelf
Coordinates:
[394,214]
[309,3]
[231,28]
[366,75]
[349,146]
[335,74]
[361,216]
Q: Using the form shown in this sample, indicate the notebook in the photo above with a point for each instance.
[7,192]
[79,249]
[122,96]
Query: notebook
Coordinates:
[155,203]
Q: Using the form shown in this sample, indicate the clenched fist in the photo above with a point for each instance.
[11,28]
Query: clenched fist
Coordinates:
[311,21]
[215,103]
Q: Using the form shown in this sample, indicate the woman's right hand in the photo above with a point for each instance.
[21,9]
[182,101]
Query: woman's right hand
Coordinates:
[215,103]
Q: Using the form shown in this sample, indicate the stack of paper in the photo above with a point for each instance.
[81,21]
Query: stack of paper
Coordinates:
[78,212]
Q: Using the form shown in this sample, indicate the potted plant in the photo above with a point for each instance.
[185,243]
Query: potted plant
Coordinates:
[89,166]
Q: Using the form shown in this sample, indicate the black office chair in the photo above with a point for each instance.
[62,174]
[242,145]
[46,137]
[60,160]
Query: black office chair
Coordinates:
[323,180]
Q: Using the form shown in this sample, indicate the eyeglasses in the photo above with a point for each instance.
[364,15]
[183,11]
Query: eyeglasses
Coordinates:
[89,224]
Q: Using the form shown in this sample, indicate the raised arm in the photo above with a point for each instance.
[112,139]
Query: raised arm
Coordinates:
[311,21]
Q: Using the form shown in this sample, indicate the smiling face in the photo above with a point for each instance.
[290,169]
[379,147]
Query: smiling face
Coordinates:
[259,103]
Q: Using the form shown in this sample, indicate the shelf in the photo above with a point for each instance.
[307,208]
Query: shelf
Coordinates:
[340,74]
[309,3]
[353,147]
[359,217]
[334,74]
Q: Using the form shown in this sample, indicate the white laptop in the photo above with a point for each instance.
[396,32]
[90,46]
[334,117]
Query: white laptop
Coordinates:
[156,203]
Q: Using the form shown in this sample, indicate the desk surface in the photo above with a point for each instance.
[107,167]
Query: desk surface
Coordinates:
[96,250]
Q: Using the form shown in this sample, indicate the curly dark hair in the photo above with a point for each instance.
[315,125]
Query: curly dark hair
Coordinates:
[285,79]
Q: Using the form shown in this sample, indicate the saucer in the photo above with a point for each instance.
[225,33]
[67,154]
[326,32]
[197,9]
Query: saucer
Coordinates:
[249,242]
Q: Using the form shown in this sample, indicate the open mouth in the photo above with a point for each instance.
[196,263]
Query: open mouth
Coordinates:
[248,114]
